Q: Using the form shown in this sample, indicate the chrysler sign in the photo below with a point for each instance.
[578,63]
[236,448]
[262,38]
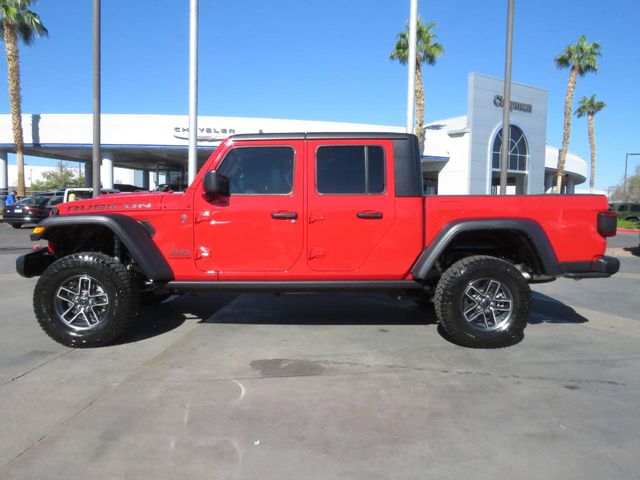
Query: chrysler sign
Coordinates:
[498,101]
[206,134]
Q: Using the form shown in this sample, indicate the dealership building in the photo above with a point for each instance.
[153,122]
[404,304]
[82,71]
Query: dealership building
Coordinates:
[461,154]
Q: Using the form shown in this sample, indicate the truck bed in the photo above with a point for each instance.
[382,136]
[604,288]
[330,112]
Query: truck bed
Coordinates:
[569,221]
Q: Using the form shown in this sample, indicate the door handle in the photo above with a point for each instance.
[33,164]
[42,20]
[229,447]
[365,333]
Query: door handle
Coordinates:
[284,215]
[367,215]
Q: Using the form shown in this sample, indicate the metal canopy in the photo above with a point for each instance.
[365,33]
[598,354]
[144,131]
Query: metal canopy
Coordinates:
[137,157]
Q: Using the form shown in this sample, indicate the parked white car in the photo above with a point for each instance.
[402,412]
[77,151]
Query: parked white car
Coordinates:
[85,192]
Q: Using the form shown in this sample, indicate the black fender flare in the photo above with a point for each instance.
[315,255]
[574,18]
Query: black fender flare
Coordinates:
[133,235]
[531,229]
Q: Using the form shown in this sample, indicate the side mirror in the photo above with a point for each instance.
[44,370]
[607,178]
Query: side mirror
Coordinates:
[216,184]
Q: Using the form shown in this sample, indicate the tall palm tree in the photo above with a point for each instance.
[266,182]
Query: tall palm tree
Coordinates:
[581,58]
[427,51]
[17,20]
[589,106]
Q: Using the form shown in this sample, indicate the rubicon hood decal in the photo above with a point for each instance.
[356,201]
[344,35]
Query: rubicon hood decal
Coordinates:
[113,203]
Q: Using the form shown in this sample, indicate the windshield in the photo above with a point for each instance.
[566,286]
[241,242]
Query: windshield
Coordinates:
[26,202]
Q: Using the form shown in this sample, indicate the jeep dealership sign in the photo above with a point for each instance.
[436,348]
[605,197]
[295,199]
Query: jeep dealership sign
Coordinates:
[498,101]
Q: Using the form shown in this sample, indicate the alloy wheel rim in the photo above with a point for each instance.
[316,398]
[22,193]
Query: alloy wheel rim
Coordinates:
[81,302]
[487,304]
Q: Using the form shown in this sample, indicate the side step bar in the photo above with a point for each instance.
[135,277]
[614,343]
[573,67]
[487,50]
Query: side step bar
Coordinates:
[296,286]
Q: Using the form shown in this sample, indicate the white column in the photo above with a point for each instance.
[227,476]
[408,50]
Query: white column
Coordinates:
[152,180]
[4,175]
[571,186]
[106,169]
[88,174]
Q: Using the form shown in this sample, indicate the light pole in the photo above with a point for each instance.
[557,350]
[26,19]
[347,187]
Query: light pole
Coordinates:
[95,181]
[506,102]
[411,81]
[193,91]
[626,161]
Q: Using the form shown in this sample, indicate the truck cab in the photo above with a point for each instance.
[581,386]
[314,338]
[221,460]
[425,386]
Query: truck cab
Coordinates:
[308,207]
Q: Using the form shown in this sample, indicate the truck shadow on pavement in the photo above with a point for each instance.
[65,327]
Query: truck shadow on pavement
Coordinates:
[549,310]
[154,320]
[301,309]
[323,309]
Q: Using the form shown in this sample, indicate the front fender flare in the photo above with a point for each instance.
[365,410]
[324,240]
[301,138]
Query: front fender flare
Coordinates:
[130,232]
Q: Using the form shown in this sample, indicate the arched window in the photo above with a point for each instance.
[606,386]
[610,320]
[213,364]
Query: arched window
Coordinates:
[518,150]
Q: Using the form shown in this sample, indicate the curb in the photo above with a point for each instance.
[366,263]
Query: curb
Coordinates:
[628,230]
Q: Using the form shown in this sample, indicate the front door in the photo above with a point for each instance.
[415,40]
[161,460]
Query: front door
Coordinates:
[351,204]
[258,227]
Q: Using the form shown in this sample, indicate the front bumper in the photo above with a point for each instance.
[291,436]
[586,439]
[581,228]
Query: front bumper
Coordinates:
[601,267]
[34,263]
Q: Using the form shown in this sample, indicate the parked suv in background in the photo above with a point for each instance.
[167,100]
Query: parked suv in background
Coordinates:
[626,211]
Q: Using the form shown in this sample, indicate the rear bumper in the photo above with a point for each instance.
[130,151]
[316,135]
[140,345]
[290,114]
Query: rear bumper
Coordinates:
[9,218]
[601,267]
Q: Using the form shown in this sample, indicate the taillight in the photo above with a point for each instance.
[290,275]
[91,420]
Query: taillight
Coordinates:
[607,224]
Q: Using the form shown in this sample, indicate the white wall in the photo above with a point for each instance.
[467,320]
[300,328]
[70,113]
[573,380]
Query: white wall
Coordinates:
[454,176]
[485,119]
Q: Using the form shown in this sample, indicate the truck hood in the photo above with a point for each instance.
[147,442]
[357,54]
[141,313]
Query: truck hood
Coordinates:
[114,203]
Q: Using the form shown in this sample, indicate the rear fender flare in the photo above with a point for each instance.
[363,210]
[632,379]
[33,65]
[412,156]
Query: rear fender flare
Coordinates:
[531,229]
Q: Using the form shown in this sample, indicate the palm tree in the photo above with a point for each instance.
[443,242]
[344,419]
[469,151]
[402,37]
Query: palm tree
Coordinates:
[589,106]
[427,51]
[581,58]
[17,20]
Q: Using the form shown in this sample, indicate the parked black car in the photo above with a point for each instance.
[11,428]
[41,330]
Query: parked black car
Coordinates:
[29,210]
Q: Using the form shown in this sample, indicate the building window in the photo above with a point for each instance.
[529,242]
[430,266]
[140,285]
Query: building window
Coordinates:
[518,150]
[350,170]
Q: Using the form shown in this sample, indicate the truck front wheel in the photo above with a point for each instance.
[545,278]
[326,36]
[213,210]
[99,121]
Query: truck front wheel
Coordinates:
[483,302]
[85,300]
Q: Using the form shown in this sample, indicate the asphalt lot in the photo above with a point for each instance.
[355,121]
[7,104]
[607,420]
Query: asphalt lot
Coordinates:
[301,386]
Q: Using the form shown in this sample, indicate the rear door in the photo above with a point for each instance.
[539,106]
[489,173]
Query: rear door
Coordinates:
[258,227]
[351,204]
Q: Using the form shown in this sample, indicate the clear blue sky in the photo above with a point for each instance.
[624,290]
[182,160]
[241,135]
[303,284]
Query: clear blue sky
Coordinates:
[327,60]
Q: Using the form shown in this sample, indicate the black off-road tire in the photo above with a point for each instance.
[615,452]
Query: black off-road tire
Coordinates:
[448,301]
[114,281]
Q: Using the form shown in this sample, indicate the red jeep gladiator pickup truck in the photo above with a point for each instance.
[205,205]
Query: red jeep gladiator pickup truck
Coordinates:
[313,212]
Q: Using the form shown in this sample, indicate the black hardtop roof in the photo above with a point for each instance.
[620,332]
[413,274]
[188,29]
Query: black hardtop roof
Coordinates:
[322,135]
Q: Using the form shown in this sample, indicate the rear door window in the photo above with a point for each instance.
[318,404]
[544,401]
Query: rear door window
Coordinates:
[350,170]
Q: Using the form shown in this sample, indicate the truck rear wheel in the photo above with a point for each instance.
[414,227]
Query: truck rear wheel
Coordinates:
[483,302]
[85,300]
